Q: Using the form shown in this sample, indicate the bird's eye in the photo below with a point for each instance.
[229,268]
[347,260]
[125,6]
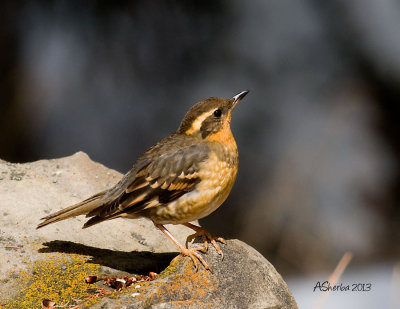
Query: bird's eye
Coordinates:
[217,113]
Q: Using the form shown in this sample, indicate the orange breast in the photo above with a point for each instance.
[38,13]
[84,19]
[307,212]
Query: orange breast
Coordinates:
[217,179]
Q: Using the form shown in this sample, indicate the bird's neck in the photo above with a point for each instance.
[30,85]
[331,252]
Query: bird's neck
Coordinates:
[224,136]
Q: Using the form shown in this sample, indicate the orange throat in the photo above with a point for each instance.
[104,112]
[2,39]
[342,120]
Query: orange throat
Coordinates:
[223,136]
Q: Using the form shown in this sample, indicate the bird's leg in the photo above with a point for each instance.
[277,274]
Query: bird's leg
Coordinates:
[192,253]
[205,236]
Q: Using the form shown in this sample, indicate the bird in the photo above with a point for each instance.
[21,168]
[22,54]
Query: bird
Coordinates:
[182,178]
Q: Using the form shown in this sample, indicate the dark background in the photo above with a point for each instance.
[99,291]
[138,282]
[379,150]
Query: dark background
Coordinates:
[318,134]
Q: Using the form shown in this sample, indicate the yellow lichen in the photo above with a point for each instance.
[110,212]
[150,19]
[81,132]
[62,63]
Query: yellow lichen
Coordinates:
[60,278]
[186,286]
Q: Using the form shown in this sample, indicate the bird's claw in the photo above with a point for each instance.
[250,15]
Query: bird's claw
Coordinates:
[196,257]
[207,237]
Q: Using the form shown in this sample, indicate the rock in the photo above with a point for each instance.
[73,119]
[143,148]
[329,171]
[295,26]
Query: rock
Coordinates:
[243,279]
[53,262]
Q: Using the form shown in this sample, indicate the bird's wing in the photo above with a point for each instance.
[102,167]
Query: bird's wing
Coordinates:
[163,180]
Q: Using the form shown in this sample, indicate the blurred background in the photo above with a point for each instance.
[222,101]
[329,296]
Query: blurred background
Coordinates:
[318,135]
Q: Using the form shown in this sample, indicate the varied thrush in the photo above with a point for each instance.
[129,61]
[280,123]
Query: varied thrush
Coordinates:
[182,178]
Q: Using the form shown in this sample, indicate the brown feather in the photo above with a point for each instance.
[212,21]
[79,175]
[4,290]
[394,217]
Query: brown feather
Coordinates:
[158,182]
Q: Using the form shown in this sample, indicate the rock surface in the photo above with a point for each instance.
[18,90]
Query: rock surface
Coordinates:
[52,263]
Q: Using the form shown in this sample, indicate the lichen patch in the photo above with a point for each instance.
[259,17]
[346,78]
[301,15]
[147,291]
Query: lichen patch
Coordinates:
[59,278]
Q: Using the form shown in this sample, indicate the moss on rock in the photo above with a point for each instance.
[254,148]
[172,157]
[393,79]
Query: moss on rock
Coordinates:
[60,278]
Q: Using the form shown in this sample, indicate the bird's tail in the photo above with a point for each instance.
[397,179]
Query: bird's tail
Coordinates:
[75,210]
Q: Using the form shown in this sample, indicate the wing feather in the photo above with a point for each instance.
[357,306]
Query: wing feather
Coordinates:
[163,180]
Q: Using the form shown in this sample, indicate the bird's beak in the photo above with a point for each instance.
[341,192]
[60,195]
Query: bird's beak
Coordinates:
[236,99]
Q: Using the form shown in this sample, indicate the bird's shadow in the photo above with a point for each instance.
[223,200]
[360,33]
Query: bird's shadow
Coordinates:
[131,262]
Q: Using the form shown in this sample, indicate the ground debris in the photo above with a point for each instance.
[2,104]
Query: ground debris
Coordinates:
[12,247]
[119,283]
[48,304]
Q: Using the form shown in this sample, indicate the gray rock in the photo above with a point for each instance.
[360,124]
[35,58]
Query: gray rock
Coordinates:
[52,263]
[243,279]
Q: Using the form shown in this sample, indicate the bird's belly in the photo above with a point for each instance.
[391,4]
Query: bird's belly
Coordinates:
[216,183]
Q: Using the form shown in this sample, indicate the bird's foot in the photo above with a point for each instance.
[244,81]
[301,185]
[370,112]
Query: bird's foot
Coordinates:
[206,237]
[195,256]
[192,253]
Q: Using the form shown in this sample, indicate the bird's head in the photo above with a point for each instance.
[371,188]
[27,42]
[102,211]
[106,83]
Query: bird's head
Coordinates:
[210,118]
